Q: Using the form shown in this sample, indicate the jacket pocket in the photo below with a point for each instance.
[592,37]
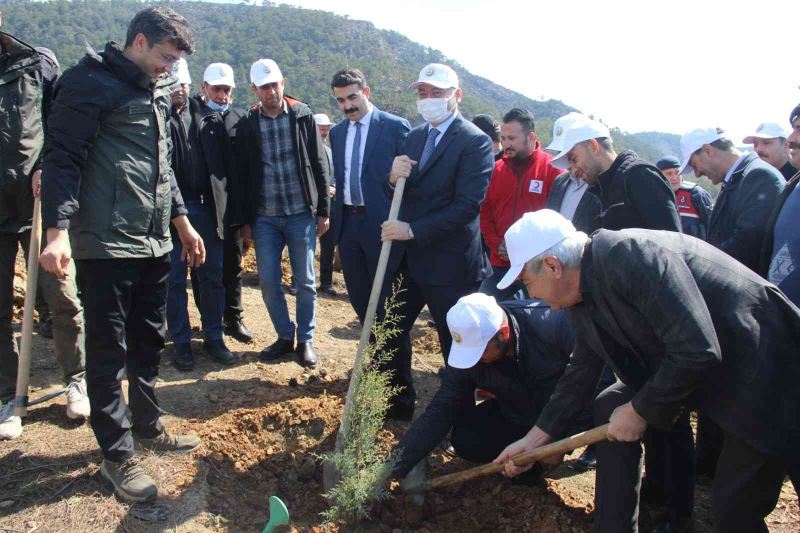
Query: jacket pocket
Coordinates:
[133,201]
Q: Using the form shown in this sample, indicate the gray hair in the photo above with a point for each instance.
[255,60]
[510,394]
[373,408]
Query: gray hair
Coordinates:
[569,253]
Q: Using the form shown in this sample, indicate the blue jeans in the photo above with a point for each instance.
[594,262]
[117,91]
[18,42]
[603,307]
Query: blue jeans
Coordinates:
[489,286]
[297,232]
[211,300]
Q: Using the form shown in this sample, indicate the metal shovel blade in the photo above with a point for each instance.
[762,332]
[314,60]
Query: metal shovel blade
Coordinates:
[278,514]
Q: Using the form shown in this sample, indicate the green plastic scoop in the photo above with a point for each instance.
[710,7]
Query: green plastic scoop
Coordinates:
[278,514]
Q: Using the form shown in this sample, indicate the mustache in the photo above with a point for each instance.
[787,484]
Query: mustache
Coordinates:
[351,110]
[794,146]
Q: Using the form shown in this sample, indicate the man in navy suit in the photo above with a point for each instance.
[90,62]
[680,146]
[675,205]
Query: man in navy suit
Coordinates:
[364,146]
[447,162]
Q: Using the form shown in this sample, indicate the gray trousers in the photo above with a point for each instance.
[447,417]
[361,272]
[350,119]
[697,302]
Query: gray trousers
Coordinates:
[61,296]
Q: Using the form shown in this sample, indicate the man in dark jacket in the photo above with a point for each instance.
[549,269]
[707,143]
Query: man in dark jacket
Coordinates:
[749,189]
[27,78]
[574,198]
[633,193]
[780,253]
[283,201]
[107,179]
[683,326]
[202,159]
[693,202]
[515,350]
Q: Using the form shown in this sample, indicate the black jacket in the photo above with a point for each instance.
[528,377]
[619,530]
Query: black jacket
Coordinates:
[544,341]
[585,217]
[634,194]
[686,326]
[217,152]
[311,160]
[742,208]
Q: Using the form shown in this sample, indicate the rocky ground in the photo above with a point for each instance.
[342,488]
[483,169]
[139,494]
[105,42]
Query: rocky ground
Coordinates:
[263,427]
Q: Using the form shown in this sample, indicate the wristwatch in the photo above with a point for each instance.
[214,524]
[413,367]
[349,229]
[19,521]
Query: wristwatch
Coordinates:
[410,233]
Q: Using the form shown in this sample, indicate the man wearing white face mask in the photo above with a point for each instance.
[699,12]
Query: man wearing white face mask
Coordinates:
[447,162]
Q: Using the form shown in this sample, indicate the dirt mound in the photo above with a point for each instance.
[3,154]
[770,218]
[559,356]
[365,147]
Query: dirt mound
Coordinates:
[250,265]
[275,450]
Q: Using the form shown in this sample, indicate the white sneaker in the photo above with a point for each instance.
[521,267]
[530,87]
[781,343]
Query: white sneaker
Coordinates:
[77,400]
[10,425]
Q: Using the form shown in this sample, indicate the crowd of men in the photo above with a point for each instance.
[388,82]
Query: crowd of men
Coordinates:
[569,286]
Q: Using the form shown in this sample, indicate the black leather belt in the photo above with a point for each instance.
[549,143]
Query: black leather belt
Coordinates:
[354,208]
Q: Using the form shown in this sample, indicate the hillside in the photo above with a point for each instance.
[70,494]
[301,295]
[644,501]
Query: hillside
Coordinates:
[309,46]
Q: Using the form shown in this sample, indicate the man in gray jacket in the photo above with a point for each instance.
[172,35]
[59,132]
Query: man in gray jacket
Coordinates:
[683,326]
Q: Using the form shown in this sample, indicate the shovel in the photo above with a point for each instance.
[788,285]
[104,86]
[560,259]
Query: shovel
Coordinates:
[527,458]
[330,476]
[278,514]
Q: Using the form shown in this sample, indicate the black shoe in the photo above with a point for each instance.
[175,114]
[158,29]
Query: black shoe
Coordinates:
[328,289]
[238,331]
[219,352]
[674,524]
[306,353]
[46,328]
[400,411]
[182,356]
[278,349]
[587,460]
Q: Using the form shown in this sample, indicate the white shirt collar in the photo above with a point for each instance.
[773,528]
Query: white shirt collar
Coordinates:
[444,125]
[729,174]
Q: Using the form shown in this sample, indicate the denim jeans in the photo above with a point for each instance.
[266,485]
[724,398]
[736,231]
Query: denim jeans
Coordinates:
[489,286]
[211,299]
[297,232]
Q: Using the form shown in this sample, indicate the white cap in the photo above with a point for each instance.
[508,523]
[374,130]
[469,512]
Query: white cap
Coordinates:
[265,71]
[766,130]
[322,119]
[180,71]
[531,235]
[560,127]
[219,74]
[473,321]
[578,130]
[694,140]
[438,75]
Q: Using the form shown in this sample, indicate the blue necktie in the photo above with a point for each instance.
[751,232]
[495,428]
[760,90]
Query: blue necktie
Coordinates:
[430,144]
[355,169]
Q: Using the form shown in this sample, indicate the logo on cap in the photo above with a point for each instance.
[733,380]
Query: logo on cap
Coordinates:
[429,72]
[267,69]
[457,338]
[559,131]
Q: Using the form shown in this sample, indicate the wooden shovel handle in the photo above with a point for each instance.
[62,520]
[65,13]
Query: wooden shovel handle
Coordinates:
[554,448]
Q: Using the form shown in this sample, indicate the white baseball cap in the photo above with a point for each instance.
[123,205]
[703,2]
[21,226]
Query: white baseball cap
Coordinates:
[265,71]
[180,71]
[694,140]
[322,119]
[438,75]
[576,131]
[472,321]
[531,235]
[219,74]
[560,127]
[766,130]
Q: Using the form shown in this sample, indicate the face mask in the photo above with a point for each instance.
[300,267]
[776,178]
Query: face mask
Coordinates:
[216,107]
[433,110]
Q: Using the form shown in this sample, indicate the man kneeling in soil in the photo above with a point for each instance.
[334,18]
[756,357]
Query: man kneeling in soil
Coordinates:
[684,326]
[514,350]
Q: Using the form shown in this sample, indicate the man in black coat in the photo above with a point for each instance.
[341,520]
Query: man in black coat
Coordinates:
[515,350]
[683,326]
[633,192]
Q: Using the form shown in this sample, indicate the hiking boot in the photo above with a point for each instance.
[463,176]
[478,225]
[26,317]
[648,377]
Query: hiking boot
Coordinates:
[77,400]
[10,425]
[131,483]
[182,356]
[277,350]
[220,353]
[238,331]
[167,443]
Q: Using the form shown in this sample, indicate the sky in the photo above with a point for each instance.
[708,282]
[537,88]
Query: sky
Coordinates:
[637,65]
